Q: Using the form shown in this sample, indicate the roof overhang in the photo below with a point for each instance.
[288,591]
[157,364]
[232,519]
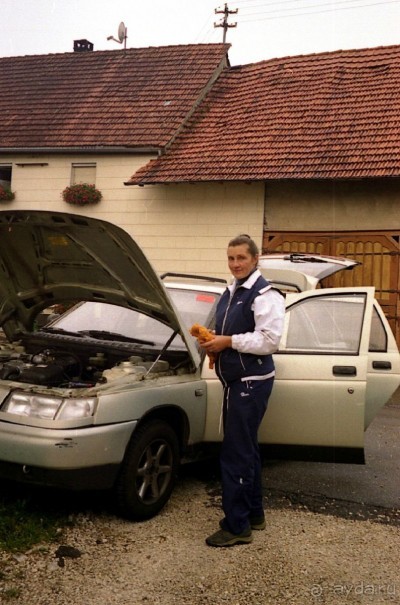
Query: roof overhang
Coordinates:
[93,150]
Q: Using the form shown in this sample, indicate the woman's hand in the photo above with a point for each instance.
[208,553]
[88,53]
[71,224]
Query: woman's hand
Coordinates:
[217,344]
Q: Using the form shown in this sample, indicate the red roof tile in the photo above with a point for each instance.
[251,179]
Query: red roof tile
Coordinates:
[327,115]
[135,98]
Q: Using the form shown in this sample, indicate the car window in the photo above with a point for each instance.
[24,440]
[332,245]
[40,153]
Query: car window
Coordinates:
[378,337]
[194,306]
[112,318]
[284,286]
[325,324]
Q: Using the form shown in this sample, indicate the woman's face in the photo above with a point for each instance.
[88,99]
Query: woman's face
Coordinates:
[240,261]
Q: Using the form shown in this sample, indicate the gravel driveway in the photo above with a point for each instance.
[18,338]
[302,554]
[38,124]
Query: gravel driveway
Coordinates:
[302,557]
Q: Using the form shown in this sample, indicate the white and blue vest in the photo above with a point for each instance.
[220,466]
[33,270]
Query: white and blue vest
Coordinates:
[235,316]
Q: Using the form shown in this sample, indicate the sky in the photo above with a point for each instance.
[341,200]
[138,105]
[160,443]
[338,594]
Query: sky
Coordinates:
[264,29]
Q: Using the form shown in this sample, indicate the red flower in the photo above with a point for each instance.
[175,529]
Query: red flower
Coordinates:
[6,195]
[81,194]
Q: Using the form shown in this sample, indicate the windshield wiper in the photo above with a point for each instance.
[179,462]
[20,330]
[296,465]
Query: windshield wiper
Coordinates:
[297,257]
[60,331]
[104,334]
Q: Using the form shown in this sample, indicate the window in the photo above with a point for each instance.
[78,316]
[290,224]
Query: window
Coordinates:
[5,175]
[378,337]
[83,173]
[325,324]
[196,306]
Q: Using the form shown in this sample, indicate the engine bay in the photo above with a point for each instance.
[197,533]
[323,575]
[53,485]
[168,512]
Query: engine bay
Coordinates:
[67,362]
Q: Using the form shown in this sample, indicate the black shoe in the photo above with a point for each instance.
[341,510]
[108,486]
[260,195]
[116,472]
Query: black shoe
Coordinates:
[257,522]
[225,538]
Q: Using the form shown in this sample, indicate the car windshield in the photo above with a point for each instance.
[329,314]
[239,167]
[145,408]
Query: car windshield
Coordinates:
[102,320]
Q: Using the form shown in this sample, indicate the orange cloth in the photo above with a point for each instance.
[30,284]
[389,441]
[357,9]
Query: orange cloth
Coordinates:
[203,335]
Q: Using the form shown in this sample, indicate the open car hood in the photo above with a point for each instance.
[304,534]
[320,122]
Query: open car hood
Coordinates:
[53,257]
[301,271]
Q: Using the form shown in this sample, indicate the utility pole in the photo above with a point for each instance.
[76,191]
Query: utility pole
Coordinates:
[224,22]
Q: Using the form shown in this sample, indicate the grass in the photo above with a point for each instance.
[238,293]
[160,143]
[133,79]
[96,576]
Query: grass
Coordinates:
[28,517]
[23,523]
[11,593]
[31,515]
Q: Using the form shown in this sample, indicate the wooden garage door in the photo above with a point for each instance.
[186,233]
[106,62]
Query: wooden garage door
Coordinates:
[377,251]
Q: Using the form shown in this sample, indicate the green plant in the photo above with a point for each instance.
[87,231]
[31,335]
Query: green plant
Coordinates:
[81,194]
[22,524]
[6,195]
[12,593]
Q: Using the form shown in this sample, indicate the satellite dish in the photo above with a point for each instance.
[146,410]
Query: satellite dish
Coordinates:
[121,32]
[122,35]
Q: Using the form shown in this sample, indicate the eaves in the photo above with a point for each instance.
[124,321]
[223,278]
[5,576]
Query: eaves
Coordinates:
[77,149]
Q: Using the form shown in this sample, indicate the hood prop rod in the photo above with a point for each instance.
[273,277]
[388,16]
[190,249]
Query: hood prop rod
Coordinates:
[165,347]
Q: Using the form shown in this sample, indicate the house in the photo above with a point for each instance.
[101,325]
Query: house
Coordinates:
[303,153]
[94,117]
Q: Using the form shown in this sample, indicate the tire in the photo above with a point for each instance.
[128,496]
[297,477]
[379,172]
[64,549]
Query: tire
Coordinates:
[148,472]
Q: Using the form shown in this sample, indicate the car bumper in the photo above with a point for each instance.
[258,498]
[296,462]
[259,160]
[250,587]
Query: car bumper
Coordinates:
[88,456]
[88,478]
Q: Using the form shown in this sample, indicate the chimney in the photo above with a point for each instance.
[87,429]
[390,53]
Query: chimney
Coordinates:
[82,46]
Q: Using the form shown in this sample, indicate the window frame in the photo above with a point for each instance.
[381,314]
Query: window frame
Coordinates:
[75,166]
[323,351]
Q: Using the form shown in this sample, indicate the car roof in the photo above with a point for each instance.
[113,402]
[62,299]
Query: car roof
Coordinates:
[186,281]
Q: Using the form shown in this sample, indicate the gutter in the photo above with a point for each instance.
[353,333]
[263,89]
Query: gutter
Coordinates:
[121,149]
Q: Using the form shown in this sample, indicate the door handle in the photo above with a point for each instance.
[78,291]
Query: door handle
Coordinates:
[344,371]
[382,365]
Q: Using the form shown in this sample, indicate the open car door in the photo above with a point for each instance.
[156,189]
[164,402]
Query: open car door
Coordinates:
[337,365]
[318,402]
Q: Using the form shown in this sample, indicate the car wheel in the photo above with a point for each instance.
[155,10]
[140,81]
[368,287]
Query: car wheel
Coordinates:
[149,470]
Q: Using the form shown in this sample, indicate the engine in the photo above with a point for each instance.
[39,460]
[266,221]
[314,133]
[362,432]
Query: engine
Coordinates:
[54,367]
[44,368]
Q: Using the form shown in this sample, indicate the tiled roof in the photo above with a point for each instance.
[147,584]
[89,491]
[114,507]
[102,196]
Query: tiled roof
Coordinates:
[327,115]
[137,98]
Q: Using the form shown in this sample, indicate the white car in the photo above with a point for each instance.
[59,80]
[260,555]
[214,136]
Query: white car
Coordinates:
[299,271]
[115,392]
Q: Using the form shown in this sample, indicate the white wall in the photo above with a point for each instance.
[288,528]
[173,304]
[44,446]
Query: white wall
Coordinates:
[182,228]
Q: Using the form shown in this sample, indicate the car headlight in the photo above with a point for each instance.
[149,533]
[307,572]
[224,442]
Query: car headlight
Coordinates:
[48,407]
[77,408]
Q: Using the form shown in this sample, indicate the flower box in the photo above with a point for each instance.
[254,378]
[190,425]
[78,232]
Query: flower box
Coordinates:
[6,195]
[81,194]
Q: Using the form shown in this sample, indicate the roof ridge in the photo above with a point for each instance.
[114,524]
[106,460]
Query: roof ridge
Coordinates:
[328,53]
[122,51]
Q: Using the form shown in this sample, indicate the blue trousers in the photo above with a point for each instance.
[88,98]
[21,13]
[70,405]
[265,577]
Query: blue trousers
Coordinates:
[244,404]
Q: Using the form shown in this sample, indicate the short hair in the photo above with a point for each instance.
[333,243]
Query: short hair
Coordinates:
[243,238]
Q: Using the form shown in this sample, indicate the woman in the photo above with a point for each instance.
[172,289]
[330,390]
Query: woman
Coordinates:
[249,324]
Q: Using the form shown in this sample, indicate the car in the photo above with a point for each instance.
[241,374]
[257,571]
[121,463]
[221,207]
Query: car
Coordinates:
[299,271]
[114,393]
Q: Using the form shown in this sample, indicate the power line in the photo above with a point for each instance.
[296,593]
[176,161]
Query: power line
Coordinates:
[239,2]
[203,31]
[244,19]
[249,17]
[265,4]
